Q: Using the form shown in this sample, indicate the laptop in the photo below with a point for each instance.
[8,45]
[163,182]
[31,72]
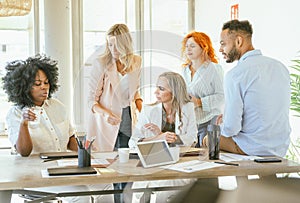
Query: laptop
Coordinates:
[58,155]
[59,171]
[154,153]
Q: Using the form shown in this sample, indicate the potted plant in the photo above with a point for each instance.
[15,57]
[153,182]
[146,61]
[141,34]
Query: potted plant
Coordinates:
[294,149]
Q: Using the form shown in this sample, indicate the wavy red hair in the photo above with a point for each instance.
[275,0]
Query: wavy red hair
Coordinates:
[208,52]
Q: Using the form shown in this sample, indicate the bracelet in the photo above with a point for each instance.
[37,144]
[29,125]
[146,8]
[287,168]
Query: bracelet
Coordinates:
[141,140]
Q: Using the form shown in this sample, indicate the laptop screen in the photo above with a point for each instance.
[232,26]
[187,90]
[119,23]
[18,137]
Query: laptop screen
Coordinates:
[154,153]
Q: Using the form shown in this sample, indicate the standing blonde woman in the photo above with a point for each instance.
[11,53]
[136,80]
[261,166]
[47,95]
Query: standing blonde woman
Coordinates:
[113,94]
[204,79]
[113,91]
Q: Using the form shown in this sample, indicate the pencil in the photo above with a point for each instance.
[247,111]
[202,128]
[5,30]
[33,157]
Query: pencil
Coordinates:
[226,163]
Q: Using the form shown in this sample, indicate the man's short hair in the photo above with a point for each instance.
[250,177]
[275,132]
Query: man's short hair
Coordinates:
[243,27]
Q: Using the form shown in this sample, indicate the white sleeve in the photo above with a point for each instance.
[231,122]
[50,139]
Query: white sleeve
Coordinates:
[13,120]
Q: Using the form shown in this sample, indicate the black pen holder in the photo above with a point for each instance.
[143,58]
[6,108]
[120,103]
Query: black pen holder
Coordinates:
[84,157]
[213,133]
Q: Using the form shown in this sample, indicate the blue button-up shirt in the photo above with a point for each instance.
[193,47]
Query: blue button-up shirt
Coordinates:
[257,101]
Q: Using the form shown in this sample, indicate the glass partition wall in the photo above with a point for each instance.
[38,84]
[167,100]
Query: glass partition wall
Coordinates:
[157,28]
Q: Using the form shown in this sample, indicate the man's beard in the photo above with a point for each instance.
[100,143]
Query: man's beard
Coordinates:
[233,55]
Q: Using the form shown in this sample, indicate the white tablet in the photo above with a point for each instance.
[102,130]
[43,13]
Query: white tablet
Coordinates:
[154,153]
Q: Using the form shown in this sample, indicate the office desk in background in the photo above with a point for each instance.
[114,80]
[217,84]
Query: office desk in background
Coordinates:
[17,173]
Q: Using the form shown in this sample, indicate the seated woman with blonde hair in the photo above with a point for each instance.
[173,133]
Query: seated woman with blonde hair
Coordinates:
[170,118]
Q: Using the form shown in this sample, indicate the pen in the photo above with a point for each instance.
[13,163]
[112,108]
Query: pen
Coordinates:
[91,142]
[53,159]
[78,142]
[226,163]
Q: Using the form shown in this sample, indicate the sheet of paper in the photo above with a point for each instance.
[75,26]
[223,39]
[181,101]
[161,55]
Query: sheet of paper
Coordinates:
[228,157]
[105,155]
[105,170]
[74,162]
[191,166]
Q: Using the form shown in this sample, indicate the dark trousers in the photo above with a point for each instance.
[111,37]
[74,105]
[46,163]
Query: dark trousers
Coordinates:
[202,130]
[122,142]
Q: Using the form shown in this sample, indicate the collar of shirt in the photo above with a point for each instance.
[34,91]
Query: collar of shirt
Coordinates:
[45,104]
[250,54]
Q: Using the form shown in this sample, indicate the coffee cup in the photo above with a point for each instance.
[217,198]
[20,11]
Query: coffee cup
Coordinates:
[37,111]
[123,155]
[175,152]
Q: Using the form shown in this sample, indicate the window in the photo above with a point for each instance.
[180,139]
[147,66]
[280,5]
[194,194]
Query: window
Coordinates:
[15,43]
[165,24]
[161,23]
[98,17]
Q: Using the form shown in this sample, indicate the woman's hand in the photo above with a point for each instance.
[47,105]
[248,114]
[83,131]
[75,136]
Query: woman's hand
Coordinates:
[170,137]
[28,115]
[139,104]
[154,129]
[24,144]
[219,119]
[113,119]
[197,101]
[110,117]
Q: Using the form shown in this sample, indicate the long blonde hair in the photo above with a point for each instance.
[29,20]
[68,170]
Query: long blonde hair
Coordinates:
[178,88]
[124,46]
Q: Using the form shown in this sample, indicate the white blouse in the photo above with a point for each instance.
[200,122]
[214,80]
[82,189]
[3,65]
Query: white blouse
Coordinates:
[50,134]
[207,84]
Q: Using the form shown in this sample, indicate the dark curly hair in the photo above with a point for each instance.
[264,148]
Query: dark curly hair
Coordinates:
[20,77]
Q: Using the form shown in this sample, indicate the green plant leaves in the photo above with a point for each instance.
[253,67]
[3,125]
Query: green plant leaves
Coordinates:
[295,87]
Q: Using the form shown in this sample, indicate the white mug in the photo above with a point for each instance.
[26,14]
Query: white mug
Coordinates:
[175,152]
[123,155]
[38,111]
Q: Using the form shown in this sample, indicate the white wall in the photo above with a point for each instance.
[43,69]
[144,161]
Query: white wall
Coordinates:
[276,24]
[276,29]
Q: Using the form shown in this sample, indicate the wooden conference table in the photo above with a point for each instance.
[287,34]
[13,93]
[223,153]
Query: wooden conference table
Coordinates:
[17,173]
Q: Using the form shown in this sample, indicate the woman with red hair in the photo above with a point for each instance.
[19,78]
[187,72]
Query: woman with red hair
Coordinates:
[204,78]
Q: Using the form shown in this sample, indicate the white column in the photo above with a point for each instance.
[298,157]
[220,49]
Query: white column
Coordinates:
[58,45]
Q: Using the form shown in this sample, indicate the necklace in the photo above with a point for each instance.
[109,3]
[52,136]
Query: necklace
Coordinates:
[170,115]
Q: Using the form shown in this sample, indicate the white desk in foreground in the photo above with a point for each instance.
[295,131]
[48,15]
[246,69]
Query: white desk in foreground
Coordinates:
[18,172]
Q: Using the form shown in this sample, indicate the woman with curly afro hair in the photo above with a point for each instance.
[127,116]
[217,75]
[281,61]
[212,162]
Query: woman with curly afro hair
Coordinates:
[20,79]
[38,123]
[30,84]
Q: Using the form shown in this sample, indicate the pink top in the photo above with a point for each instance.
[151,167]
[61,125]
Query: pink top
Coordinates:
[104,88]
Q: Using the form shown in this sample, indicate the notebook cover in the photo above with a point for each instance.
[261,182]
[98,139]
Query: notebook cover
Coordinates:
[70,171]
[58,155]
